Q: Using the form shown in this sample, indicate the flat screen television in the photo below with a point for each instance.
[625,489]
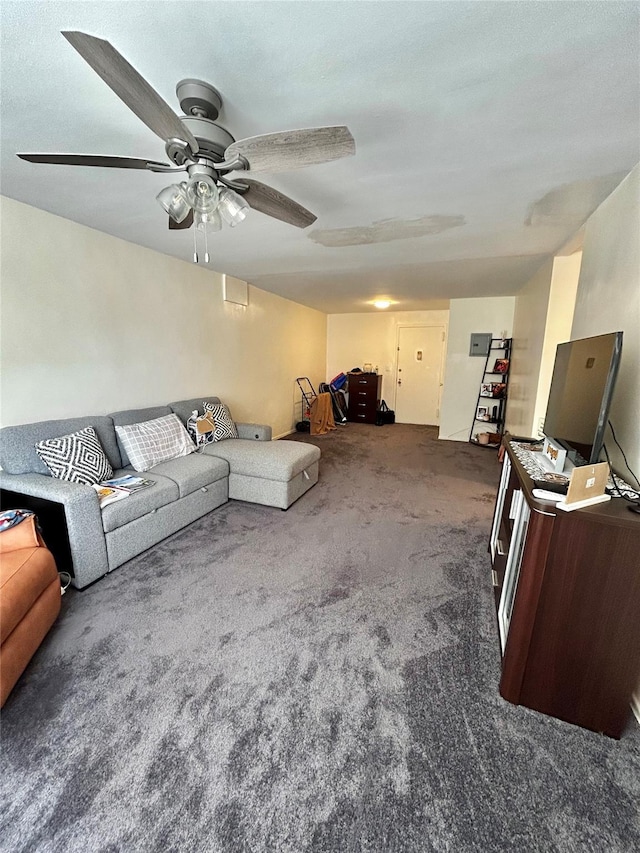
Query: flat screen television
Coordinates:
[582,385]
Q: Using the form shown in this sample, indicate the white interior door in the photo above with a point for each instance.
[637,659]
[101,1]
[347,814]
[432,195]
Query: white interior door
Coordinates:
[419,374]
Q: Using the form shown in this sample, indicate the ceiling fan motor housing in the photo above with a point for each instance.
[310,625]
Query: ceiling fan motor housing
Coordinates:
[198,98]
[201,104]
[212,140]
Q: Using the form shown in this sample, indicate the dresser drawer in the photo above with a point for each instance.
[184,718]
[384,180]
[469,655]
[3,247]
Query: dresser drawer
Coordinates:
[365,385]
[363,411]
[363,392]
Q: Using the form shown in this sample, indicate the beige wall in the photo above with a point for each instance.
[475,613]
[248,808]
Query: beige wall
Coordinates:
[529,322]
[354,339]
[542,320]
[562,300]
[608,300]
[92,324]
[463,373]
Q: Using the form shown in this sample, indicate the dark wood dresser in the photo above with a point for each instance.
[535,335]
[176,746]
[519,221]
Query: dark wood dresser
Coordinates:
[365,390]
[568,615]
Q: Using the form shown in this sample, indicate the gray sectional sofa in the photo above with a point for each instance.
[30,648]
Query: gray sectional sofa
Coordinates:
[250,468]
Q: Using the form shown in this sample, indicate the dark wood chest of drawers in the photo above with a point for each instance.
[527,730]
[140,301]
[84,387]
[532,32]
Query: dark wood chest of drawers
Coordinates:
[364,397]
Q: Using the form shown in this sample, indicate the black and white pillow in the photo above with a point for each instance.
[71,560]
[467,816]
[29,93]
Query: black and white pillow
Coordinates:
[225,427]
[78,457]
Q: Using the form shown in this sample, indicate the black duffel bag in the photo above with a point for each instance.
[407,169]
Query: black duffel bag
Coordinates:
[385,415]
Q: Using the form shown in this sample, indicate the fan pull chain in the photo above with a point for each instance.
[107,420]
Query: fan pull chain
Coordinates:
[206,247]
[195,246]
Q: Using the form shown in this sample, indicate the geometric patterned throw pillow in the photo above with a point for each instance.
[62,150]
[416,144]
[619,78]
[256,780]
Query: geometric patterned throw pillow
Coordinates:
[78,458]
[150,442]
[225,427]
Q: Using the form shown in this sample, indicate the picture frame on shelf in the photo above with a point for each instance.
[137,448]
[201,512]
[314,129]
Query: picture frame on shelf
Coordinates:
[556,454]
[498,389]
[483,413]
[486,389]
[501,365]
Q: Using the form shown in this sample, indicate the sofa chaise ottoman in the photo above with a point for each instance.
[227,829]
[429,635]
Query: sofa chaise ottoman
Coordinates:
[274,475]
[250,468]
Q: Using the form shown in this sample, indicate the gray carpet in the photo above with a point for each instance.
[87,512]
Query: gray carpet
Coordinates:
[323,680]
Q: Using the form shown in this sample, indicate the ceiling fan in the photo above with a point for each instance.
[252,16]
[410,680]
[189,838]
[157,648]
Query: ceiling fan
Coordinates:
[206,151]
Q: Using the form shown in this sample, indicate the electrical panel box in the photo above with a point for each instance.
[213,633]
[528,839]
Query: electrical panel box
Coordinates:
[480,343]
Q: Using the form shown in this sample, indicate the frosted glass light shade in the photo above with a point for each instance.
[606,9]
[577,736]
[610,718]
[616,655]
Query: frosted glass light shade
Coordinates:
[232,207]
[202,193]
[173,200]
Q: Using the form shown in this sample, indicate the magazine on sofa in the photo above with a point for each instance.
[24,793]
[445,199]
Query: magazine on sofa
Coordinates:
[128,483]
[120,487]
[107,495]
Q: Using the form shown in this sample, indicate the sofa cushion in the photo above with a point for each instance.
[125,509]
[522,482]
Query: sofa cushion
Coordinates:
[77,458]
[18,443]
[135,416]
[193,472]
[270,460]
[152,442]
[139,503]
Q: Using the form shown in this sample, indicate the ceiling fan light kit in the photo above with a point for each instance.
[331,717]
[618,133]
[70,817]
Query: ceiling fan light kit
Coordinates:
[208,221]
[173,200]
[202,193]
[233,207]
[195,144]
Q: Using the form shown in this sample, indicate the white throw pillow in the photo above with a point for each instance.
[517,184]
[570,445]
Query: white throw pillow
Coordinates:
[78,457]
[151,442]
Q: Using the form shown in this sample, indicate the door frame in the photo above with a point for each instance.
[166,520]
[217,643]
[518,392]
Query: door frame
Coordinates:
[445,330]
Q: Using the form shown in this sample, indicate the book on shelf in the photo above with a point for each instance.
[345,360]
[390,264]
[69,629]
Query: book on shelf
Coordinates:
[128,483]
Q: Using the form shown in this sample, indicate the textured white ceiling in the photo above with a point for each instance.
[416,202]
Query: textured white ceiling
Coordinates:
[486,132]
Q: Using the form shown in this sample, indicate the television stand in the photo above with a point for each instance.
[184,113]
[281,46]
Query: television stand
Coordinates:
[568,588]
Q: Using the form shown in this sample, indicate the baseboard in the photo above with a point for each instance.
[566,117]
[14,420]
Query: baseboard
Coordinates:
[635,706]
[283,434]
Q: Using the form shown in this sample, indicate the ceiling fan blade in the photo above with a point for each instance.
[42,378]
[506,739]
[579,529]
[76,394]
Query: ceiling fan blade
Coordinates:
[187,222]
[131,87]
[293,149]
[273,203]
[92,160]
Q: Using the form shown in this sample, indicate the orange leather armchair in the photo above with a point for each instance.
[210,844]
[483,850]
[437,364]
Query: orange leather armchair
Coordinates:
[29,599]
